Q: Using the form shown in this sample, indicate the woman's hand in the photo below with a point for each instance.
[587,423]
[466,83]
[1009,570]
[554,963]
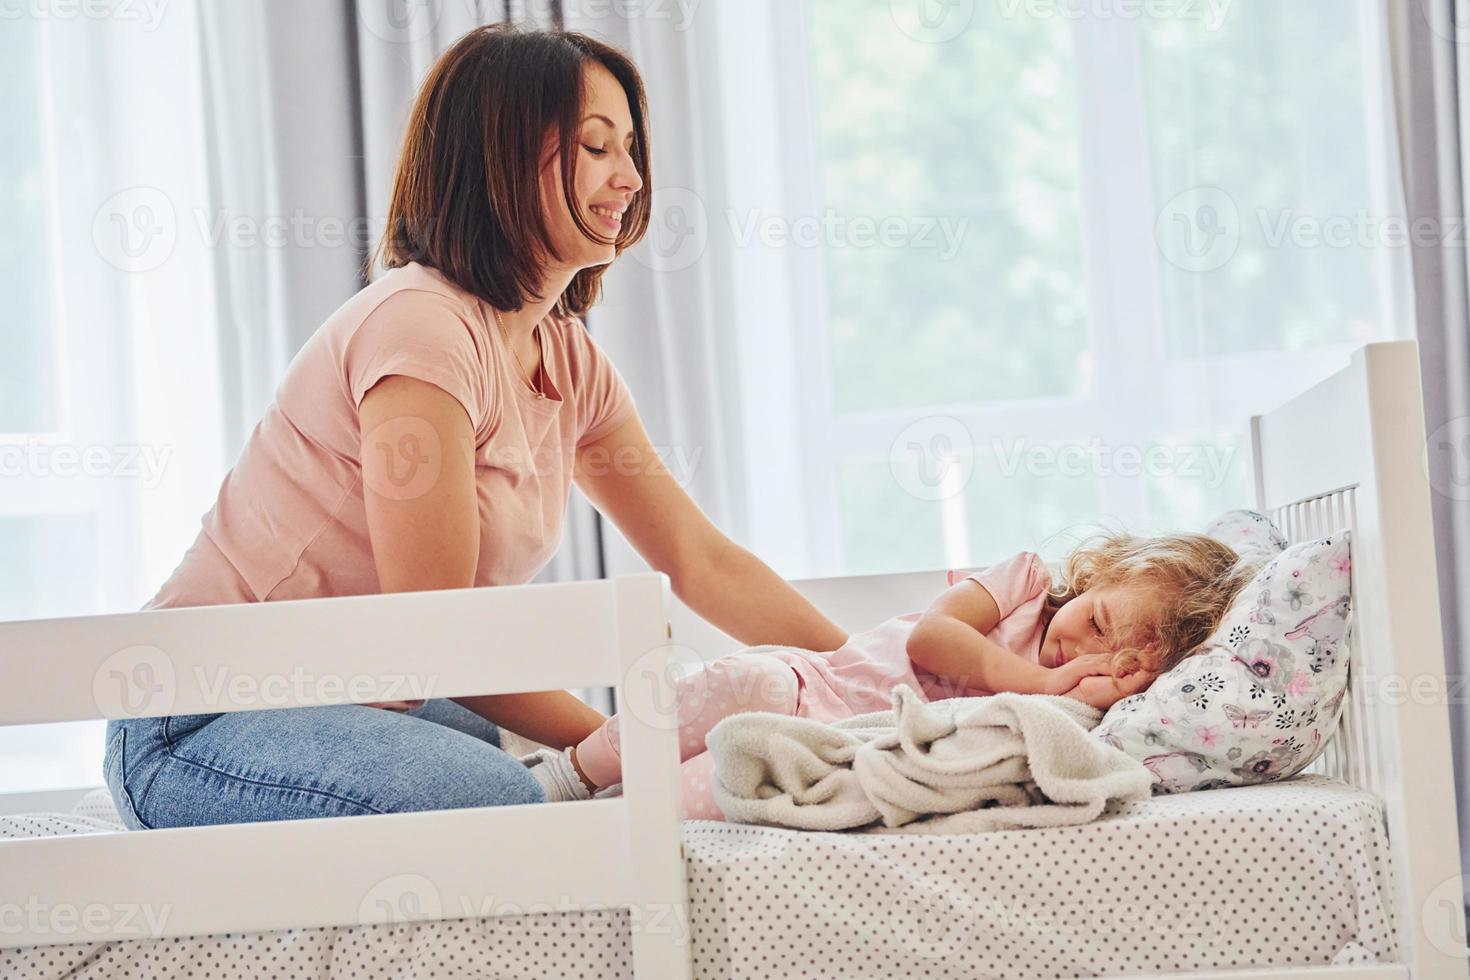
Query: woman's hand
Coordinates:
[1103,692]
[1063,679]
[395,705]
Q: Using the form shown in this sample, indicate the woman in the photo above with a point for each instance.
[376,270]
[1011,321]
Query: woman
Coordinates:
[426,436]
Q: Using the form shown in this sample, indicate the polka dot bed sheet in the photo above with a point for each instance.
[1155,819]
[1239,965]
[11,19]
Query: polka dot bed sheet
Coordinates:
[1287,874]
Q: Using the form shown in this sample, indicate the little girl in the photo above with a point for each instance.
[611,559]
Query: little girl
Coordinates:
[1125,611]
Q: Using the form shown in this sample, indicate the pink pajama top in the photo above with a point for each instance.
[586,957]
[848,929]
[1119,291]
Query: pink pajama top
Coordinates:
[290,520]
[860,676]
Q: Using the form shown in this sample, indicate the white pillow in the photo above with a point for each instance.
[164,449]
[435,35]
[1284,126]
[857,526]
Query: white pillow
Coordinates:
[1265,695]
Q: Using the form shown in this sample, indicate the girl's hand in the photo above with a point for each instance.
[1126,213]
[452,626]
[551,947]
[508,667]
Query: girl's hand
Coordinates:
[1064,678]
[1104,692]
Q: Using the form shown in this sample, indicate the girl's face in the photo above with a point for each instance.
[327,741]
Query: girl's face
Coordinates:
[607,177]
[1097,621]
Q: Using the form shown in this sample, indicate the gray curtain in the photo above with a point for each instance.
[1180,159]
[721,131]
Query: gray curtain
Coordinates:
[1432,91]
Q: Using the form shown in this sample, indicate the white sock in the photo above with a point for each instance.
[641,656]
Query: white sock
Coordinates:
[556,774]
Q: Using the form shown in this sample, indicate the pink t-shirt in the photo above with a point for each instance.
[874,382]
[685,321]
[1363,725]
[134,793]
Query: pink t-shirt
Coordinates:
[860,676]
[290,520]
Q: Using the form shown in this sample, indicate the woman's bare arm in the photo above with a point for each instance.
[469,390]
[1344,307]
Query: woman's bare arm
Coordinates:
[418,475]
[625,479]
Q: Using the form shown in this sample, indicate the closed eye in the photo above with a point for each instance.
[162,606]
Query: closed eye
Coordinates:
[596,151]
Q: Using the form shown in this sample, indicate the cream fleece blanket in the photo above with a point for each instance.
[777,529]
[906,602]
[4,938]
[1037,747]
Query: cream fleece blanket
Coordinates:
[962,765]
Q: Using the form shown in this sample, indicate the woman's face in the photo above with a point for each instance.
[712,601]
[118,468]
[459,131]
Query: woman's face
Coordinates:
[1096,621]
[606,180]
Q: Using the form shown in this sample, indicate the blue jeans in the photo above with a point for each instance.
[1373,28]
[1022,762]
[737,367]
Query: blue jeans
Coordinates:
[293,763]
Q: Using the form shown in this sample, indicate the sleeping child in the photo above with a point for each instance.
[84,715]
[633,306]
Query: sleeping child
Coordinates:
[1126,609]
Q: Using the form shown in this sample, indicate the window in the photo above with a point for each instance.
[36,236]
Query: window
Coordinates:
[102,479]
[1039,268]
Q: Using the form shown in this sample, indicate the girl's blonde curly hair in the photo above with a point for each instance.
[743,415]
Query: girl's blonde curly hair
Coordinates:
[1195,577]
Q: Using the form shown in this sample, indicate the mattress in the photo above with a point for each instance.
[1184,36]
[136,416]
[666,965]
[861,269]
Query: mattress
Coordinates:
[1289,874]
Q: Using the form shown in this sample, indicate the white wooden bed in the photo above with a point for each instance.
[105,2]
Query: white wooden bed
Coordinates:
[1347,453]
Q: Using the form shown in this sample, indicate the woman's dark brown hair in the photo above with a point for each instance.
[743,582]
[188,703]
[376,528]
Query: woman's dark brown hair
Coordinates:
[467,194]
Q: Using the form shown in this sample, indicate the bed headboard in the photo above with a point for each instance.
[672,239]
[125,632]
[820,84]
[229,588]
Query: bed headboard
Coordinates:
[1350,453]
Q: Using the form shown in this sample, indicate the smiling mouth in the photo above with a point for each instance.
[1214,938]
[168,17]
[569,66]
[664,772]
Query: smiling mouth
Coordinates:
[607,214]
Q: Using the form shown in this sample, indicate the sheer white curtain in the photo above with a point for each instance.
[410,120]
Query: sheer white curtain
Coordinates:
[193,188]
[104,475]
[931,283]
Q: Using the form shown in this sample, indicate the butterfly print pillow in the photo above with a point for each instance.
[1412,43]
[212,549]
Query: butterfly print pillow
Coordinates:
[1260,700]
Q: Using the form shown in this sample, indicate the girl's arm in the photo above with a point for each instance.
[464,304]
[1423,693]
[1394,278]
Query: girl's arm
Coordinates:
[949,640]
